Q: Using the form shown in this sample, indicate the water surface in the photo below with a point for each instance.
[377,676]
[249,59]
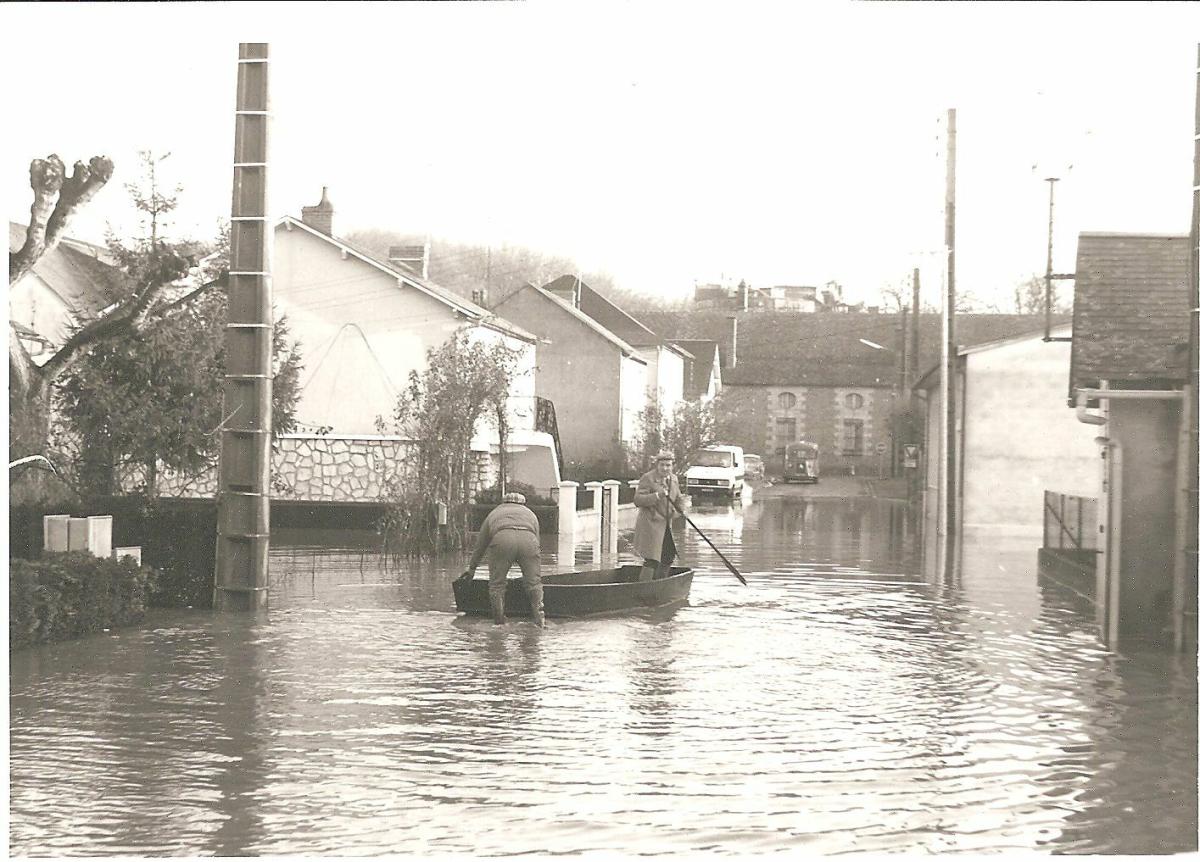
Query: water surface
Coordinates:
[840,703]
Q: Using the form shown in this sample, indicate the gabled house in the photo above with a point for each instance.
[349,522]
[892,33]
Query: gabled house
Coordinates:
[597,380]
[1129,384]
[704,371]
[71,283]
[1015,438]
[665,361]
[364,324]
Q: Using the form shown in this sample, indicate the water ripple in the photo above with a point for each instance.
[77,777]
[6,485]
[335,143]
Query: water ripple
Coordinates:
[838,704]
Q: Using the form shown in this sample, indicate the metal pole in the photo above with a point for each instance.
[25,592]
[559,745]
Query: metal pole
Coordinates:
[1050,261]
[949,443]
[243,499]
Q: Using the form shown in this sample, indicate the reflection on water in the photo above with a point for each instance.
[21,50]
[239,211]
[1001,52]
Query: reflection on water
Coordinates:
[841,702]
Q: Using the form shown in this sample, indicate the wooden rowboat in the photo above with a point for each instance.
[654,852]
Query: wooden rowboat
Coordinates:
[580,594]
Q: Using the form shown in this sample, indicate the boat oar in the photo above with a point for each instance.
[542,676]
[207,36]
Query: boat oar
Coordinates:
[728,564]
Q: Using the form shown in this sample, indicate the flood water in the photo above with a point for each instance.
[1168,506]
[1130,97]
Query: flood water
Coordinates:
[840,703]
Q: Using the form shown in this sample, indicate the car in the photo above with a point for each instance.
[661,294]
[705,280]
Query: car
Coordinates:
[755,472]
[718,470]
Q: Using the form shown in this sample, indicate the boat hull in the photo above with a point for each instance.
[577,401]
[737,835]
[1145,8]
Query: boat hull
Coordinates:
[580,594]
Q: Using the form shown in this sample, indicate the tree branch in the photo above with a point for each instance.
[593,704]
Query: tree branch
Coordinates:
[46,179]
[127,316]
[84,183]
[56,199]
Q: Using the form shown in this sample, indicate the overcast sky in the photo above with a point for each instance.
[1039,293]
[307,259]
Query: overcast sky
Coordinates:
[663,143]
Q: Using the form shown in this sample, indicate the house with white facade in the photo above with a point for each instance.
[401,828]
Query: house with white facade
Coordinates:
[68,284]
[364,325]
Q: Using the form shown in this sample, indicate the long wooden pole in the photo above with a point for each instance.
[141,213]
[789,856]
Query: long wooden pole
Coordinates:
[243,500]
[949,491]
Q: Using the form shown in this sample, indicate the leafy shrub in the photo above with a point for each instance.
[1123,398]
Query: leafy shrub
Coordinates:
[70,595]
[492,495]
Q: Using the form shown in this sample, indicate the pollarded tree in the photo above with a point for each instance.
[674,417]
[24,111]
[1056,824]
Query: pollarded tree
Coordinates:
[56,199]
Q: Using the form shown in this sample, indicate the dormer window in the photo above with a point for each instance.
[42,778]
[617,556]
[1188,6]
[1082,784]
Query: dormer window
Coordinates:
[787,400]
[854,401]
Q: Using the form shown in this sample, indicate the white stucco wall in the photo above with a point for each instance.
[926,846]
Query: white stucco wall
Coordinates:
[31,302]
[669,382]
[633,396]
[1020,438]
[361,333]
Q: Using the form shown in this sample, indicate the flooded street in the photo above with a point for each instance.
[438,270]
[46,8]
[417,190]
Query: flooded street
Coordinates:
[840,703]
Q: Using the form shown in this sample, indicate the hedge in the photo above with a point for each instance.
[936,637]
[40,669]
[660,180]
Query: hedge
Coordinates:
[177,537]
[69,595]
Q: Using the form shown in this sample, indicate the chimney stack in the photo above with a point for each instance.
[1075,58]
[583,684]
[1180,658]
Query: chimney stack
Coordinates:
[319,217]
[413,256]
[569,294]
[731,358]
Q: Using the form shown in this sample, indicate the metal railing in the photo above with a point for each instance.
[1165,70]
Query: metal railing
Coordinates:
[1069,522]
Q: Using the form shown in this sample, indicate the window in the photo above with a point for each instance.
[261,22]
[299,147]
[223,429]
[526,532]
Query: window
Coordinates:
[787,400]
[852,437]
[854,401]
[785,430]
[708,458]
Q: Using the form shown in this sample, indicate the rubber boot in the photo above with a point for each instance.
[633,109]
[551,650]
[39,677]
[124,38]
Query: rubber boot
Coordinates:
[497,600]
[538,611]
[647,572]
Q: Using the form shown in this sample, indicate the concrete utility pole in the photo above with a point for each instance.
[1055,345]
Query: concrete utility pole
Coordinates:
[243,500]
[1050,260]
[1188,521]
[915,360]
[949,468]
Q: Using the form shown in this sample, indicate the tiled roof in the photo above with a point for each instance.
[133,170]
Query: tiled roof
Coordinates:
[79,273]
[587,321]
[470,309]
[609,315]
[1131,309]
[700,368]
[824,348]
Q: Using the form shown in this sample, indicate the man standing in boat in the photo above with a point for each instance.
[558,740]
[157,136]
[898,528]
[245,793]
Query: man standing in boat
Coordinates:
[657,495]
[510,534]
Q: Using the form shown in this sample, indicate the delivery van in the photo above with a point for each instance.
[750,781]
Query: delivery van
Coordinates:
[717,470]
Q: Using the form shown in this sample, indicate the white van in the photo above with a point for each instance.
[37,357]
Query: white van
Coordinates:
[719,470]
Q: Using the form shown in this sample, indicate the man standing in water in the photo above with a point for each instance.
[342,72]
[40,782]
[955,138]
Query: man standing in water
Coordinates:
[510,535]
[657,492]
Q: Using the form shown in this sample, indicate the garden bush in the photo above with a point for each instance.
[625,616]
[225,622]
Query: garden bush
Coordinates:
[69,595]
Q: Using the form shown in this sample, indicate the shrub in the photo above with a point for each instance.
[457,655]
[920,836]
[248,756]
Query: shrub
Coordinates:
[70,595]
[492,495]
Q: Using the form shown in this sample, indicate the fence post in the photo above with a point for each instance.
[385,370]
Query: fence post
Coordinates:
[565,494]
[612,489]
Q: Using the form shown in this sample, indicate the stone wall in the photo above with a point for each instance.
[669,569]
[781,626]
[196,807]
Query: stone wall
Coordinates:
[320,468]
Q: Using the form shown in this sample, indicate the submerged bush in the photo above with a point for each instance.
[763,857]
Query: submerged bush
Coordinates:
[69,595]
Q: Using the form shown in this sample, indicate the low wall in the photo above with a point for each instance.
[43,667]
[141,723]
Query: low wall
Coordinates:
[318,468]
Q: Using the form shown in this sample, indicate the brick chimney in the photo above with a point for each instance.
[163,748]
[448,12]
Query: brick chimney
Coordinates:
[414,256]
[731,351]
[566,288]
[319,217]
